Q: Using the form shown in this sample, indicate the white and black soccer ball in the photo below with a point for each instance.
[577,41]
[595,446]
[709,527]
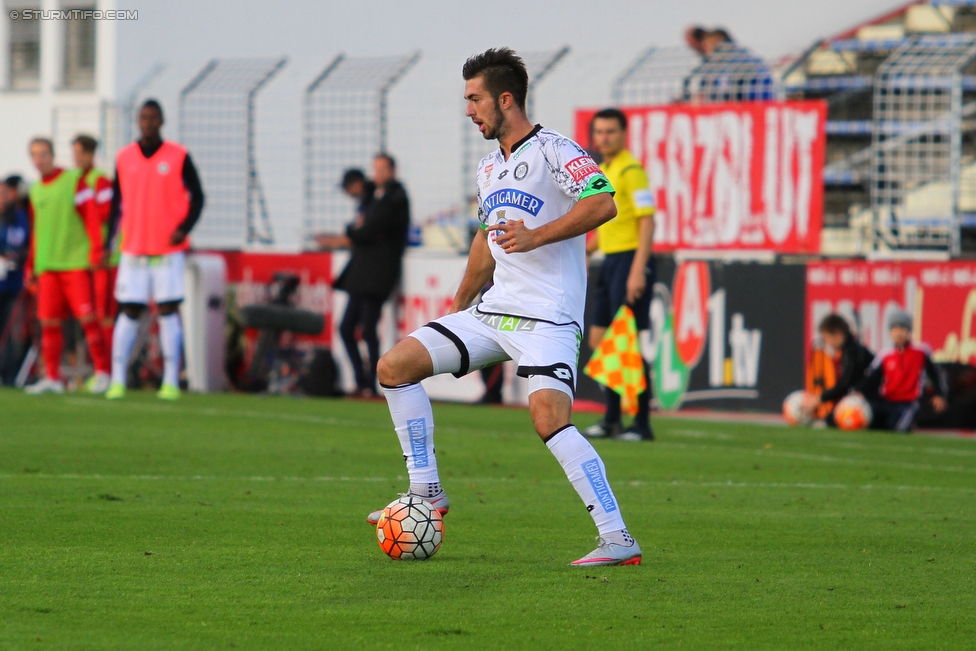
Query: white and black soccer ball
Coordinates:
[853,412]
[794,410]
[410,528]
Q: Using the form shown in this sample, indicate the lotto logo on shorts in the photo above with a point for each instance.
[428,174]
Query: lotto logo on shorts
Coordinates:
[417,428]
[582,167]
[594,474]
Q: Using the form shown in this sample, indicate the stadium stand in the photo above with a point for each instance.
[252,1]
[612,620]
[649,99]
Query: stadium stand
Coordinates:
[899,167]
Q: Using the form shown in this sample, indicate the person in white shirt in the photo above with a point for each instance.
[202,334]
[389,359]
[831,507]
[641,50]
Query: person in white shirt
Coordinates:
[538,195]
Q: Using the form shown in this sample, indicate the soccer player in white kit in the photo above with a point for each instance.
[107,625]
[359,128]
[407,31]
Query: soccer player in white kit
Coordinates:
[538,195]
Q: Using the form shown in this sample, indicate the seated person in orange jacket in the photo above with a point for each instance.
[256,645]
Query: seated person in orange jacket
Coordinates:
[854,360]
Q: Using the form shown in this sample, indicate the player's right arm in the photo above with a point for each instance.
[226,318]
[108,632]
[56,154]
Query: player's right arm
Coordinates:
[114,214]
[29,279]
[479,271]
[191,181]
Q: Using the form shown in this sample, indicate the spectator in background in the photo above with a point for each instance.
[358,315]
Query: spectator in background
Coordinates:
[377,238]
[705,41]
[14,244]
[629,270]
[897,377]
[851,358]
[99,201]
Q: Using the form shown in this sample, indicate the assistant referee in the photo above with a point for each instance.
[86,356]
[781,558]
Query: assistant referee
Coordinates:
[629,270]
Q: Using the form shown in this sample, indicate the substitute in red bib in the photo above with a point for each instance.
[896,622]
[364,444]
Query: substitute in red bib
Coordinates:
[99,202]
[157,199]
[65,245]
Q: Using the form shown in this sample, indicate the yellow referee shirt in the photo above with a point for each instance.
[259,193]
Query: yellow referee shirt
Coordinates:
[633,199]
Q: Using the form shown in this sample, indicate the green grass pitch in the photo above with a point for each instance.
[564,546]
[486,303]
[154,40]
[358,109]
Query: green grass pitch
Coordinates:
[235,522]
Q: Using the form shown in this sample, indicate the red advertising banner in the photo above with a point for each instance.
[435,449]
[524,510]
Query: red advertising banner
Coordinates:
[731,176]
[940,296]
[248,274]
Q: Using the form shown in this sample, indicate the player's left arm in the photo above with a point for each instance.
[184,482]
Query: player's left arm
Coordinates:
[85,207]
[103,198]
[587,214]
[938,379]
[579,177]
[191,180]
[639,188]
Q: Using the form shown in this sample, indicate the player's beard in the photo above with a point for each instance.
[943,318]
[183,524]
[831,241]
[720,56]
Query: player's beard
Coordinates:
[494,129]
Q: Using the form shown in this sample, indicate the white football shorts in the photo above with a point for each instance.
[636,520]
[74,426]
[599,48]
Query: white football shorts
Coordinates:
[547,354]
[144,277]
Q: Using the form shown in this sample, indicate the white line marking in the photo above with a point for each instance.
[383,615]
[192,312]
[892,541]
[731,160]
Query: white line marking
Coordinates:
[220,413]
[480,480]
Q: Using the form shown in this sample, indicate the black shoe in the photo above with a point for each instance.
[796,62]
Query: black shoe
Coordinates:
[635,433]
[601,430]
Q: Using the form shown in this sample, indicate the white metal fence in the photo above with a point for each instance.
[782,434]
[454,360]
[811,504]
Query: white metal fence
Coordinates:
[345,117]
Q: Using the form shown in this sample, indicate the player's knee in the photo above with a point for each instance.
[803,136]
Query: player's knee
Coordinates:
[132,310]
[549,411]
[347,330]
[407,363]
[386,371]
[165,309]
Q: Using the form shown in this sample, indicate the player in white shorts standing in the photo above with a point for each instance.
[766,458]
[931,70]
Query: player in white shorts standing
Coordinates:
[157,196]
[538,195]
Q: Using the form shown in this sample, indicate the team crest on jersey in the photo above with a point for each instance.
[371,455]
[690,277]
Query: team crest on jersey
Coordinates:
[500,219]
[582,167]
[521,171]
[163,168]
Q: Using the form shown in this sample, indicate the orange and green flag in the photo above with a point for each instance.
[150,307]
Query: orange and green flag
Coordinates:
[617,362]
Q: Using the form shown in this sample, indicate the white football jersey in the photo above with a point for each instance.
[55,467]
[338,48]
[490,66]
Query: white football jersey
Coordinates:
[540,182]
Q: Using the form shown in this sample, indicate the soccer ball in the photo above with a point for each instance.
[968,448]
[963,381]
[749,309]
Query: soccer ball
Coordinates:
[794,411]
[853,412]
[410,529]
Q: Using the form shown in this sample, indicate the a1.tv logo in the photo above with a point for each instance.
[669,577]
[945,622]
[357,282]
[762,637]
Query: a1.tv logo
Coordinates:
[685,325]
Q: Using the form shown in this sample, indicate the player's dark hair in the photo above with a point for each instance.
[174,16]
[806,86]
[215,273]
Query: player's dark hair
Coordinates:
[389,159]
[86,142]
[43,141]
[723,34]
[14,182]
[352,175]
[502,70]
[612,114]
[835,324]
[153,104]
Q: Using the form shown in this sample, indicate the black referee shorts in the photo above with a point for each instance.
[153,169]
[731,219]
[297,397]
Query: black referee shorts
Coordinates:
[611,289]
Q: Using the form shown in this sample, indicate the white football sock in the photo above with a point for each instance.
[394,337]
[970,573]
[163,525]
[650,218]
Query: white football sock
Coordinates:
[123,339]
[414,423]
[588,475]
[171,342]
[425,489]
